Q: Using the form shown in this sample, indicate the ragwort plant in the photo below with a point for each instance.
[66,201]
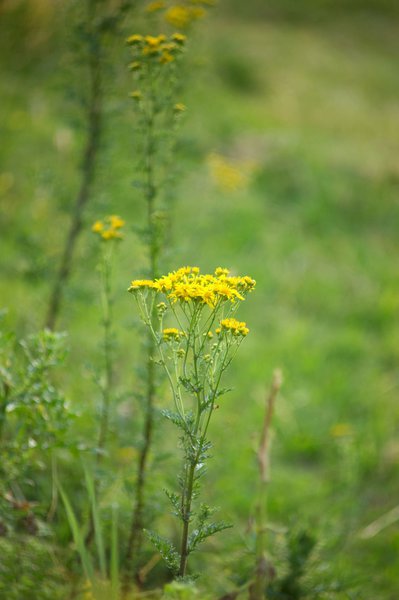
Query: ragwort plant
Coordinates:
[109,232]
[97,23]
[156,71]
[191,320]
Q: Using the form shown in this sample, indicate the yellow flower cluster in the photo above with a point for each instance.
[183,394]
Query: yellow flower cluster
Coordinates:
[226,174]
[109,228]
[154,6]
[171,334]
[235,327]
[160,48]
[187,284]
[181,16]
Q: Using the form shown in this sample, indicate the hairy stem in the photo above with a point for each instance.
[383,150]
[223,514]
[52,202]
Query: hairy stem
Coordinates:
[186,519]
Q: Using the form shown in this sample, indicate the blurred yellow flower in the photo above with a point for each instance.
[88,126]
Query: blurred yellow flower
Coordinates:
[179,107]
[108,229]
[341,430]
[226,174]
[178,16]
[154,6]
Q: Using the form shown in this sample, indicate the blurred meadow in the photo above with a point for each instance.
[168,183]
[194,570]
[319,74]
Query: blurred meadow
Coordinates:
[286,168]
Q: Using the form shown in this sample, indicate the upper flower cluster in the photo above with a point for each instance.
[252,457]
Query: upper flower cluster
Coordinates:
[233,326]
[160,48]
[187,284]
[109,228]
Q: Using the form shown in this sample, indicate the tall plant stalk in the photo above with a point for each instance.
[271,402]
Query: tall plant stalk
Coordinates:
[106,274]
[258,586]
[153,242]
[94,126]
[194,359]
[97,24]
[109,233]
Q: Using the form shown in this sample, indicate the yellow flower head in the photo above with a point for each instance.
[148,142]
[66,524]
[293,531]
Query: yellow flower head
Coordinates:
[136,95]
[180,38]
[108,229]
[154,6]
[187,285]
[97,227]
[340,430]
[237,328]
[116,222]
[220,271]
[179,16]
[171,334]
[138,284]
[179,107]
[166,57]
[135,39]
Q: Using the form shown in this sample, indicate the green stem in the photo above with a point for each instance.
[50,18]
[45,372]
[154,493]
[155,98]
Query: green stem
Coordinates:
[108,371]
[186,520]
[94,120]
[137,523]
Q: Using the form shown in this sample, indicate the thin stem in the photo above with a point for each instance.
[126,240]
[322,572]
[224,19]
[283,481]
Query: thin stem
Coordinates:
[186,520]
[94,118]
[108,370]
[260,577]
[150,192]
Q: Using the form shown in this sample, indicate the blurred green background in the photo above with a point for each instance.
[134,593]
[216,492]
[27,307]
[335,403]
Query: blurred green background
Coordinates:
[288,171]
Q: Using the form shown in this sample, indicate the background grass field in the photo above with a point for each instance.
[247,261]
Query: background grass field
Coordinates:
[303,106]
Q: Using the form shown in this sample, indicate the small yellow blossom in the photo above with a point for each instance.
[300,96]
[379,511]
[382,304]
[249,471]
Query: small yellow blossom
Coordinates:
[116,222]
[171,334]
[111,234]
[166,58]
[340,430]
[179,107]
[179,16]
[135,39]
[108,229]
[154,41]
[227,175]
[154,6]
[221,271]
[235,327]
[136,95]
[180,38]
[141,283]
[97,227]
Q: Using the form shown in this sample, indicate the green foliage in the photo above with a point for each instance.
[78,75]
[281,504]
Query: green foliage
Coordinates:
[289,587]
[30,569]
[166,549]
[182,591]
[34,417]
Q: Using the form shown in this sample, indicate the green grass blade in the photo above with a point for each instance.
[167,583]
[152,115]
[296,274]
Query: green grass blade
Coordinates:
[115,581]
[77,537]
[98,535]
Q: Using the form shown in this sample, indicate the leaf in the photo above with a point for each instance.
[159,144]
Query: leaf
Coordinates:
[95,513]
[175,501]
[114,567]
[166,549]
[77,536]
[174,417]
[205,530]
